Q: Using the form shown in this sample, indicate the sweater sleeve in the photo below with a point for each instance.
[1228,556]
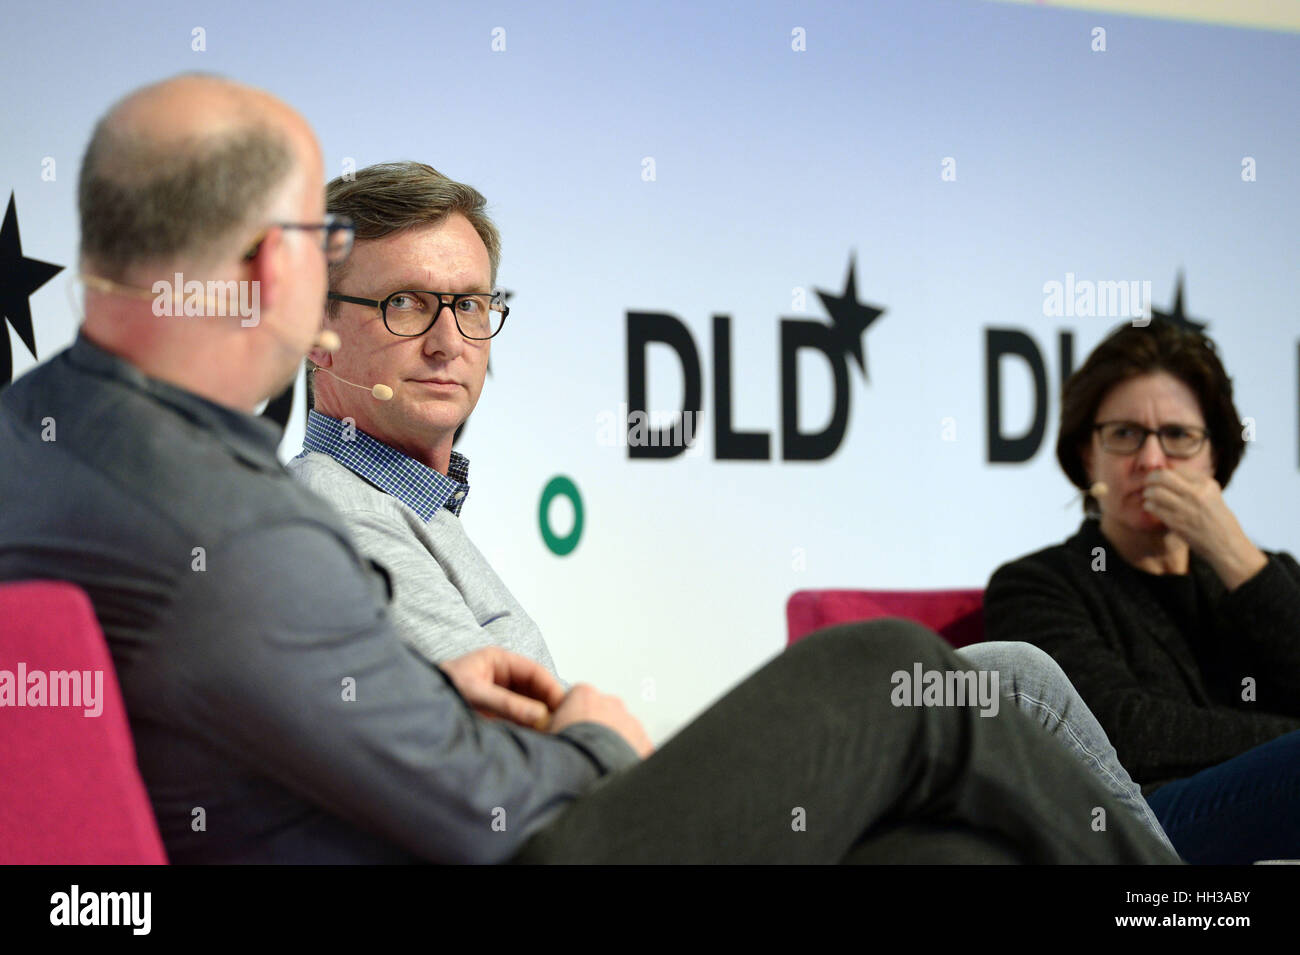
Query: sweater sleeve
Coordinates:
[1264,614]
[1157,737]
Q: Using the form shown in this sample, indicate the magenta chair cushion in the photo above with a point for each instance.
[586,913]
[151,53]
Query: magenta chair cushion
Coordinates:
[956,615]
[70,790]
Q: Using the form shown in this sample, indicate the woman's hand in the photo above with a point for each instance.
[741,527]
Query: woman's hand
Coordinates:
[1194,509]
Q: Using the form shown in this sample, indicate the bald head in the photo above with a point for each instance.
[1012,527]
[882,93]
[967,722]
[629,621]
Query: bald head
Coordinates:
[181,170]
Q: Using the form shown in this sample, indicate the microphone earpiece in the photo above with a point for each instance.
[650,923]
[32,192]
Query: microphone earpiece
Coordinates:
[328,341]
[1099,489]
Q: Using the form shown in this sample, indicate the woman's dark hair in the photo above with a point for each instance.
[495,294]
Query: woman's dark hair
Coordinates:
[1130,351]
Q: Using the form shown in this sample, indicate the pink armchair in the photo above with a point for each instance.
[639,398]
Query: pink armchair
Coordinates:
[956,615]
[70,790]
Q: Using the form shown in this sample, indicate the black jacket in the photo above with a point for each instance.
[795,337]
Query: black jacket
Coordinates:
[1167,691]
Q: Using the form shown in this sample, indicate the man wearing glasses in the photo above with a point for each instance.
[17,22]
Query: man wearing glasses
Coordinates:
[415,309]
[276,714]
[412,306]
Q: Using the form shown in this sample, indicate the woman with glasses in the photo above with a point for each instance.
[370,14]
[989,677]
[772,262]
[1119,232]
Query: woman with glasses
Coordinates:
[1180,634]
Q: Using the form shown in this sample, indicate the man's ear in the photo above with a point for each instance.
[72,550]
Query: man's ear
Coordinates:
[1085,455]
[317,355]
[262,269]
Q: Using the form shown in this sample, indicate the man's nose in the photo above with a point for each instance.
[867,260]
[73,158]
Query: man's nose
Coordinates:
[444,336]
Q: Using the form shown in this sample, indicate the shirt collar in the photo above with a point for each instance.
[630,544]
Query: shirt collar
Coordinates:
[251,438]
[420,487]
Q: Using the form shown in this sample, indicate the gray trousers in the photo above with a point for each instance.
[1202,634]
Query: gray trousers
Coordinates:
[812,760]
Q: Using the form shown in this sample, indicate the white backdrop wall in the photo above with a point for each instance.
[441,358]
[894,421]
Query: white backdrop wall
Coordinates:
[693,160]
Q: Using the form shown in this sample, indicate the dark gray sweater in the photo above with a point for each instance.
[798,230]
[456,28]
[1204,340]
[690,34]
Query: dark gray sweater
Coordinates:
[1161,660]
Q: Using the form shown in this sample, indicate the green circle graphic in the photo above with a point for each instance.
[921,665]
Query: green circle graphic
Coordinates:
[560,486]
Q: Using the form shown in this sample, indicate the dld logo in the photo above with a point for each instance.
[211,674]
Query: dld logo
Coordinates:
[837,341]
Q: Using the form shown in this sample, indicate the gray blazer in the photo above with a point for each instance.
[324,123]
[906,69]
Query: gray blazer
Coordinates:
[276,715]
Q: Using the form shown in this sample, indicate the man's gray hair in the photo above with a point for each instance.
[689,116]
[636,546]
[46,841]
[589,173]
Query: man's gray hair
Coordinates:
[141,201]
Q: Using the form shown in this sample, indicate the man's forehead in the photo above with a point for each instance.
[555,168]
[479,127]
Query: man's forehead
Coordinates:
[424,254]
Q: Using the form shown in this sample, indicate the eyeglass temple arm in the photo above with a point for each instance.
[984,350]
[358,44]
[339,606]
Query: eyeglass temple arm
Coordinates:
[372,302]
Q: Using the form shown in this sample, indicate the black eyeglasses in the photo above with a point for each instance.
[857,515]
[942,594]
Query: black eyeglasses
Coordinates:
[1126,437]
[409,314]
[336,242]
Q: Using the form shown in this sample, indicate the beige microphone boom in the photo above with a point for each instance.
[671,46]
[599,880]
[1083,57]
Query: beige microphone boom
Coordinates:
[378,392]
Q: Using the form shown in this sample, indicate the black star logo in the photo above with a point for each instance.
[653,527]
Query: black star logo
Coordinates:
[19,278]
[1176,317]
[850,317]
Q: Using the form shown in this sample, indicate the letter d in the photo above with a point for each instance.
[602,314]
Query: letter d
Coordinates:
[642,329]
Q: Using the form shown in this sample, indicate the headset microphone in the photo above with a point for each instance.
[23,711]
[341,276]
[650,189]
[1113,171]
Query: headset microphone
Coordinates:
[330,342]
[378,392]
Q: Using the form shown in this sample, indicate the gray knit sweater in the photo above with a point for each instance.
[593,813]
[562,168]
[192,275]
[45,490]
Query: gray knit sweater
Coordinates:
[447,600]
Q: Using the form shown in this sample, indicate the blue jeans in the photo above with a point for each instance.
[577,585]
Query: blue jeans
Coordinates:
[1243,810]
[1033,681]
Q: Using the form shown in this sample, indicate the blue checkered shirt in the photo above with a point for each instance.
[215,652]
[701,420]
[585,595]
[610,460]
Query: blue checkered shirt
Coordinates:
[416,485]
